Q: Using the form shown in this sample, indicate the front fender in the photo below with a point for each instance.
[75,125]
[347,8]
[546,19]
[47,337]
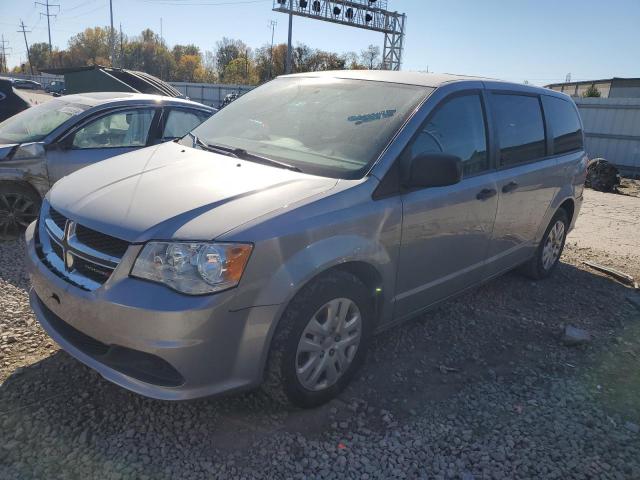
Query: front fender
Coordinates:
[29,170]
[320,256]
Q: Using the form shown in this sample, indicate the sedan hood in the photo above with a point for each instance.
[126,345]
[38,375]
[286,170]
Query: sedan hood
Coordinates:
[176,192]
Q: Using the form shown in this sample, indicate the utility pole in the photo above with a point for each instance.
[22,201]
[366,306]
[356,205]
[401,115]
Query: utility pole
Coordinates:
[3,57]
[272,24]
[112,36]
[161,37]
[289,46]
[121,62]
[48,15]
[26,44]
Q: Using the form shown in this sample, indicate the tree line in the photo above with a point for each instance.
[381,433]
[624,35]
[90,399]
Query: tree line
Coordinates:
[230,61]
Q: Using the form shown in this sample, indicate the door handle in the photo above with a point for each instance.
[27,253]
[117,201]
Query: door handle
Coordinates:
[485,193]
[509,187]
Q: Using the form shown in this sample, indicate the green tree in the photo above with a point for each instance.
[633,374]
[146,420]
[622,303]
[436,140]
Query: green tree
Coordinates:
[227,50]
[148,54]
[592,91]
[40,56]
[90,47]
[241,70]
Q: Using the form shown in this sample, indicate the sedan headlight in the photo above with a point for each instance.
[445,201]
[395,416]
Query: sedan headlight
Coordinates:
[194,268]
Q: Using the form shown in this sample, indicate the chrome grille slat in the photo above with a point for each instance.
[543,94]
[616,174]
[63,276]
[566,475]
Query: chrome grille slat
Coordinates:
[84,257]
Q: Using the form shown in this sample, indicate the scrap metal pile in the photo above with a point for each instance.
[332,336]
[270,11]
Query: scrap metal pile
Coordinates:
[602,176]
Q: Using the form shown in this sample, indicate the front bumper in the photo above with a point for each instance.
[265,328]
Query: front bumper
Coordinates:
[152,340]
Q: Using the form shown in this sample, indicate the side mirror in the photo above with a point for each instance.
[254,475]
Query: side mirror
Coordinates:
[433,170]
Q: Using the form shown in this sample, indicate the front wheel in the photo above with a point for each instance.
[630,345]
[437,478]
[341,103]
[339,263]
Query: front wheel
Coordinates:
[321,341]
[548,253]
[19,206]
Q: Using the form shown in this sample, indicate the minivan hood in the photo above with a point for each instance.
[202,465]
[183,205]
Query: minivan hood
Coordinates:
[175,192]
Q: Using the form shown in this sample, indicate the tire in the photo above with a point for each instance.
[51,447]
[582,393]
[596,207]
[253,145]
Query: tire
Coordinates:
[290,372]
[19,206]
[541,265]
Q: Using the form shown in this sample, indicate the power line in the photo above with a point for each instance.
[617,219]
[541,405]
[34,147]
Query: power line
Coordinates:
[26,44]
[48,15]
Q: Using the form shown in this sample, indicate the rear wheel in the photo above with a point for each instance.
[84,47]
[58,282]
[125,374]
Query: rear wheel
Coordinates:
[550,249]
[19,206]
[321,341]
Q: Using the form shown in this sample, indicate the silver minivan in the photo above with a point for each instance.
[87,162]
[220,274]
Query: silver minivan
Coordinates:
[270,244]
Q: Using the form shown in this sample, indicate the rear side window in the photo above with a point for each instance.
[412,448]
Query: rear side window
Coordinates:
[456,128]
[520,128]
[565,124]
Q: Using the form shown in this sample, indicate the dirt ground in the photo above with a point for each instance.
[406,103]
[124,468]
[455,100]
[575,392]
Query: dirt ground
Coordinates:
[481,387]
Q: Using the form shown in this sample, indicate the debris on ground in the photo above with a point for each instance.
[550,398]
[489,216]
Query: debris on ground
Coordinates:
[573,336]
[602,176]
[617,274]
[445,369]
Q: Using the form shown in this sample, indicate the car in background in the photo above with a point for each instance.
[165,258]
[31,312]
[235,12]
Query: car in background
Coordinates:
[56,87]
[26,84]
[43,143]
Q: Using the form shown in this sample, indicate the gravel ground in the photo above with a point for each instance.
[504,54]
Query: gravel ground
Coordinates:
[482,387]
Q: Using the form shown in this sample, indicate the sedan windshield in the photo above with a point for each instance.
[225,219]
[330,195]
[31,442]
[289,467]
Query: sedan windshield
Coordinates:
[330,127]
[35,123]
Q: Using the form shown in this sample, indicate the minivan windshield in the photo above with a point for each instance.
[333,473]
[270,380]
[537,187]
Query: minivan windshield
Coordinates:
[35,123]
[322,126]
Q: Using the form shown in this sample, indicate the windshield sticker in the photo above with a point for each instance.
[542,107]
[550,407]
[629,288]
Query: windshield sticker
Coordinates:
[70,110]
[370,117]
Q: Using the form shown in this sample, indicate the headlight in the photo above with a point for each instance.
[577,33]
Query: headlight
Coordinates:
[194,268]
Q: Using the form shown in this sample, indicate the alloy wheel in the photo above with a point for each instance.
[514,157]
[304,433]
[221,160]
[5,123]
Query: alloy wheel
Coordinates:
[553,245]
[328,344]
[17,211]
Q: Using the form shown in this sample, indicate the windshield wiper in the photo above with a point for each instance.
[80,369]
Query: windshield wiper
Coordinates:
[213,148]
[242,154]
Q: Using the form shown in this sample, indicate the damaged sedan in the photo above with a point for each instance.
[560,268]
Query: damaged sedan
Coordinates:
[46,142]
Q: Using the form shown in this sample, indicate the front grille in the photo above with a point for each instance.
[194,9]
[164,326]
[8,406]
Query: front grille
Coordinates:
[91,270]
[80,255]
[101,242]
[57,218]
[57,249]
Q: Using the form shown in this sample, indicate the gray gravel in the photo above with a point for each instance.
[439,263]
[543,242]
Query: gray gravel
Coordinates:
[482,387]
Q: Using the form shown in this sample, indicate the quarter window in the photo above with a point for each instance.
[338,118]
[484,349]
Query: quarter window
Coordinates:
[129,128]
[181,122]
[520,128]
[565,124]
[457,128]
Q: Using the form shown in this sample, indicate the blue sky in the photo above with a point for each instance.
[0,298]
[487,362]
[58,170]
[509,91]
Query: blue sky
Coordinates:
[535,40]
